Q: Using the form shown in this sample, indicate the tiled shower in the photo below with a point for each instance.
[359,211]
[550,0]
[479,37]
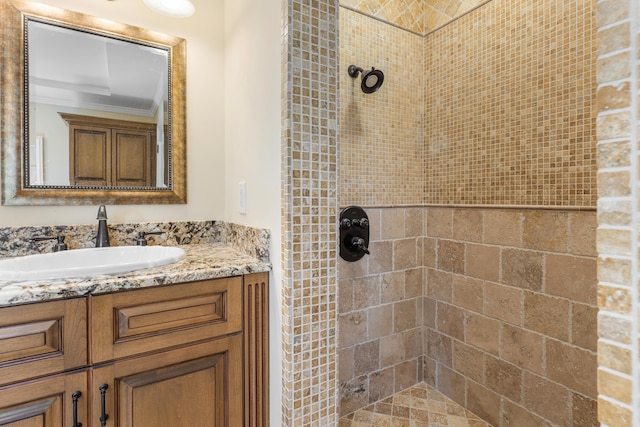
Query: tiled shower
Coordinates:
[476,162]
[487,123]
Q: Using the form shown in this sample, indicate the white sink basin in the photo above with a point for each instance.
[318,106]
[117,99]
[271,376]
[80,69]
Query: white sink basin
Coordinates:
[88,262]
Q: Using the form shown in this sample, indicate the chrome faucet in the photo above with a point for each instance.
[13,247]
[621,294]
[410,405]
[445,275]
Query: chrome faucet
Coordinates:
[102,238]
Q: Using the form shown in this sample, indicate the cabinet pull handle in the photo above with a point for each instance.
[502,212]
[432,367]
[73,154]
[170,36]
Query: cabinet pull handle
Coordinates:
[74,399]
[104,417]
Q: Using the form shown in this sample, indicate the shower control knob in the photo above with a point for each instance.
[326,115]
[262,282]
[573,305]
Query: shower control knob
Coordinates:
[358,242]
[362,222]
[345,223]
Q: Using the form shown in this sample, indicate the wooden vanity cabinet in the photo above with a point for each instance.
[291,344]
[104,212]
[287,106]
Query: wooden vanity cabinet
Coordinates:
[173,354]
[52,401]
[193,354]
[42,339]
[43,360]
[199,385]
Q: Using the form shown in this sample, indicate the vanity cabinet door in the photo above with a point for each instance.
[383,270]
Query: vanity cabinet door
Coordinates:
[198,385]
[42,339]
[47,402]
[130,323]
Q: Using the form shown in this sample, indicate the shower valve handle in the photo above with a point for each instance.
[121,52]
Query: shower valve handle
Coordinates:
[358,242]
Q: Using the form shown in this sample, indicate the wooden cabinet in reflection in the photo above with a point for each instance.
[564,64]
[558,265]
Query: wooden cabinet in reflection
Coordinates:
[107,152]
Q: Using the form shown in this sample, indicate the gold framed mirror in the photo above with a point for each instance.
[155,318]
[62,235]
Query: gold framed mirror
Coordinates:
[93,111]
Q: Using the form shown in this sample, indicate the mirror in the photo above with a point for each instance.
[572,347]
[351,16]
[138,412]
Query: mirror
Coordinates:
[93,111]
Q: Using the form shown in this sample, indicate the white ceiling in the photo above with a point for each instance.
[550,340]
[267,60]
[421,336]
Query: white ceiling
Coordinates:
[77,69]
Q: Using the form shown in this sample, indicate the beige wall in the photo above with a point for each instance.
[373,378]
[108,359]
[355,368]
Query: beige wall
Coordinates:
[204,33]
[618,271]
[252,145]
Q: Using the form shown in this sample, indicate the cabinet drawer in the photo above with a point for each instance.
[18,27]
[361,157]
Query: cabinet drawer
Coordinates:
[134,322]
[42,339]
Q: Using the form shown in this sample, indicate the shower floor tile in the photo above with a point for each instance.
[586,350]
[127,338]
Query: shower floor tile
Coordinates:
[418,406]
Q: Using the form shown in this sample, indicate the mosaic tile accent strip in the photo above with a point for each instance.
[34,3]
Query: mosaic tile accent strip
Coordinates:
[381,142]
[309,212]
[618,127]
[419,406]
[509,106]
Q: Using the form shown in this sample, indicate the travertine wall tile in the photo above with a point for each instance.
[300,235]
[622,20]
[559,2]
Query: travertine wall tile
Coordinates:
[614,357]
[567,364]
[523,348]
[613,96]
[522,268]
[547,315]
[571,277]
[483,262]
[504,378]
[615,386]
[614,299]
[545,230]
[504,303]
[503,227]
[537,151]
[528,310]
[584,320]
[385,312]
[542,397]
[614,415]
[483,402]
[614,154]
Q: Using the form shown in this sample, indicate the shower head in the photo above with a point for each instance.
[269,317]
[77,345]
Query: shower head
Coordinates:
[371,80]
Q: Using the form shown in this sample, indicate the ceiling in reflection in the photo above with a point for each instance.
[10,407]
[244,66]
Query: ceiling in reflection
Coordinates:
[83,70]
[419,16]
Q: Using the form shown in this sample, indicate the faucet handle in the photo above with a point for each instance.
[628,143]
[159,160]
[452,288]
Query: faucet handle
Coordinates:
[60,245]
[141,240]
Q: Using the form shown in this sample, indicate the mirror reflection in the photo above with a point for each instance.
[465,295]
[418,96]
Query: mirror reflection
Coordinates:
[98,110]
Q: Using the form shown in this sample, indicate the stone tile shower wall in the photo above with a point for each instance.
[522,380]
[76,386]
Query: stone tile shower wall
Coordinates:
[380,348]
[309,212]
[510,313]
[509,106]
[509,121]
[380,133]
[618,187]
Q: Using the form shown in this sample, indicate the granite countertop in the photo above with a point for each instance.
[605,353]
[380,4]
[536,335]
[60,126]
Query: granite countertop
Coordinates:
[202,262]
